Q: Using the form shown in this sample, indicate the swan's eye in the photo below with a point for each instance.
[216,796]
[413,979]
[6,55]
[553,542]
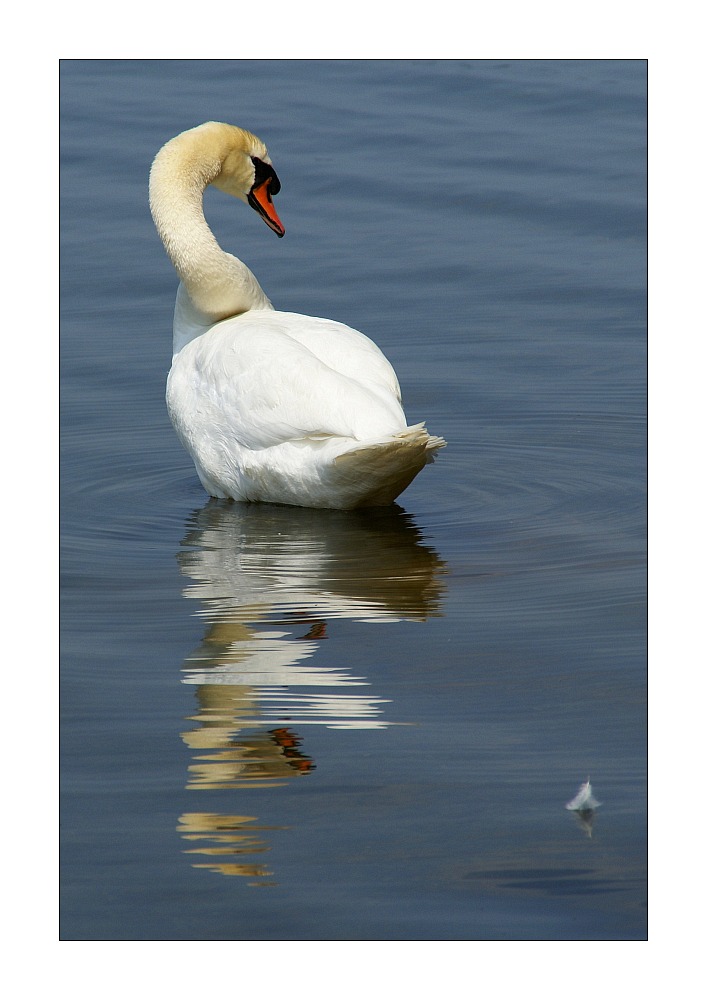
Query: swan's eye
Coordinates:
[263,171]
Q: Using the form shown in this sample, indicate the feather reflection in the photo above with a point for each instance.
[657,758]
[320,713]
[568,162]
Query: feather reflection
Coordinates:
[270,580]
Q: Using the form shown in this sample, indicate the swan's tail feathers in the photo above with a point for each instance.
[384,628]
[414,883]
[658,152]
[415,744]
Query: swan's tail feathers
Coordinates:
[375,474]
[418,434]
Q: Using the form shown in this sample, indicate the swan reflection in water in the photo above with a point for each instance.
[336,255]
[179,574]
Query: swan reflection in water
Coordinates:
[269,581]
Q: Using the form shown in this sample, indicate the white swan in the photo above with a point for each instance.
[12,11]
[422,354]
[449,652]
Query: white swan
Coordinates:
[272,406]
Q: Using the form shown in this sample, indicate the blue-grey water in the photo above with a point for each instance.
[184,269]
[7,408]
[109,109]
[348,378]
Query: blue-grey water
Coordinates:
[287,724]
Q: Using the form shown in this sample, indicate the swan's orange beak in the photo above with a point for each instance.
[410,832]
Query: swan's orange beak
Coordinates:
[261,200]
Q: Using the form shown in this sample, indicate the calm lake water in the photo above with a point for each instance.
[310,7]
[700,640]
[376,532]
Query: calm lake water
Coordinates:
[284,724]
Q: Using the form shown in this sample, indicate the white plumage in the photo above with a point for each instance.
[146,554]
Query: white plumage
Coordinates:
[272,406]
[584,799]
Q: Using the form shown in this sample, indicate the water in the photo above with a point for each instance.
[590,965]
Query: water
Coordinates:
[287,724]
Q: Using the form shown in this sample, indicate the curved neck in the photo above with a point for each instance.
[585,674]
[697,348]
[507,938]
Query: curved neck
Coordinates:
[218,284]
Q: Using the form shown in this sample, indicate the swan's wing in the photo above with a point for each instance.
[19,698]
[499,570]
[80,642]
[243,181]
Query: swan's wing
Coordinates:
[250,380]
[340,348]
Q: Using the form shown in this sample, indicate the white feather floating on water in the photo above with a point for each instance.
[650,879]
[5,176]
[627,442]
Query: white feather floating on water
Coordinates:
[584,799]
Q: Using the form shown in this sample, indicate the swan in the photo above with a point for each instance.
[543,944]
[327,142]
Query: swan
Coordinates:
[272,406]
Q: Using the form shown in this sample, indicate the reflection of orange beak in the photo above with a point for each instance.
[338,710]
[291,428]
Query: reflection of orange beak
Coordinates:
[259,198]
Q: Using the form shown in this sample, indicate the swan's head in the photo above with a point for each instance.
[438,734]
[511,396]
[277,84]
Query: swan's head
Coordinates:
[247,173]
